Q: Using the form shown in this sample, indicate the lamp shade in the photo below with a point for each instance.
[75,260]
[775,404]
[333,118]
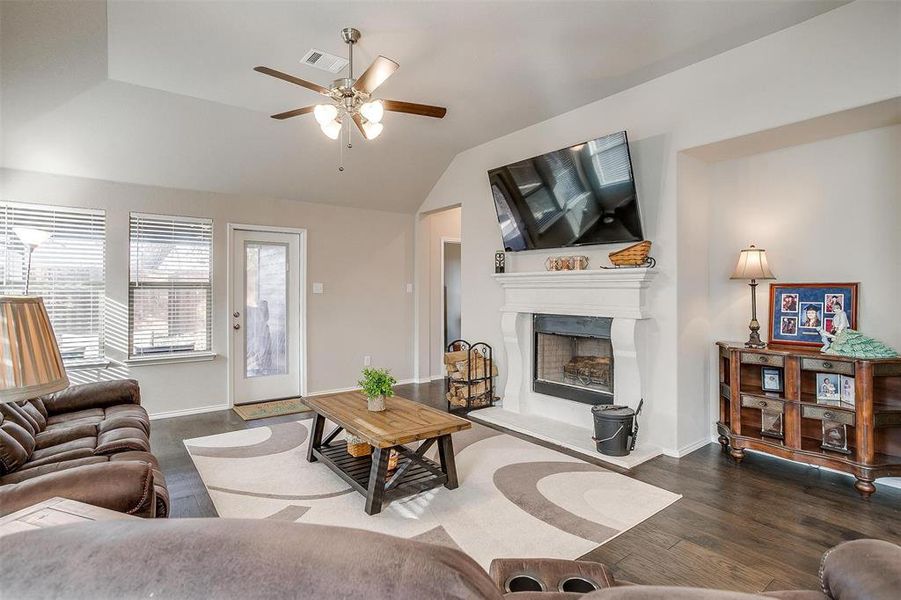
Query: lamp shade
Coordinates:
[752,264]
[30,362]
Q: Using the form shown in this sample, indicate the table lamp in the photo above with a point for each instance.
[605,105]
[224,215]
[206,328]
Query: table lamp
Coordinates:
[752,265]
[30,362]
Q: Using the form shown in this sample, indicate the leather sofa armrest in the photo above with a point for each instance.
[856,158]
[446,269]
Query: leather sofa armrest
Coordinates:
[551,574]
[862,570]
[126,487]
[93,395]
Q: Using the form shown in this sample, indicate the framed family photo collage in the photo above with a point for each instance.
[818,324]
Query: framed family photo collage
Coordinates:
[799,310]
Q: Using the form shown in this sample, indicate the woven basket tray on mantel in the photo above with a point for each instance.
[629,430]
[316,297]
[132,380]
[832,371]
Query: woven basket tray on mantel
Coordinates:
[633,256]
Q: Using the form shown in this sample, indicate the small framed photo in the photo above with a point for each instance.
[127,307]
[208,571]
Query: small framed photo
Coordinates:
[771,424]
[846,390]
[833,303]
[828,388]
[789,303]
[800,311]
[788,326]
[771,379]
[835,437]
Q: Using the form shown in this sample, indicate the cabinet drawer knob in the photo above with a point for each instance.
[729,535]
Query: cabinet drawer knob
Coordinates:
[827,365]
[762,403]
[762,359]
[828,415]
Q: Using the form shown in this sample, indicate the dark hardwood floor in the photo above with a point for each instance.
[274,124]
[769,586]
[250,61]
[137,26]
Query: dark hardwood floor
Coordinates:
[761,525]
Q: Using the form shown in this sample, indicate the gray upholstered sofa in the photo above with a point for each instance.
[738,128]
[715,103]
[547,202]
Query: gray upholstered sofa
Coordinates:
[247,559]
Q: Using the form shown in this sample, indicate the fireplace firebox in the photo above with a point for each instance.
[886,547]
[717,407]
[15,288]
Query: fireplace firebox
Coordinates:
[573,358]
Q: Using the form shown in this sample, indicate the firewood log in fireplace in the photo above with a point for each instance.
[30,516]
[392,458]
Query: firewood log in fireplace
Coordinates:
[588,370]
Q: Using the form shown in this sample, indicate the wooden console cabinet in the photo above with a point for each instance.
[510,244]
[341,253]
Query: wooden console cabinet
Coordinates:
[873,425]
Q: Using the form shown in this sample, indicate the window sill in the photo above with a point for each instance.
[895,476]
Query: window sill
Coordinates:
[100,363]
[165,360]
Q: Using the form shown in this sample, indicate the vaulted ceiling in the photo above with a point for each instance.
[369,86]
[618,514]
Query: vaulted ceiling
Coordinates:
[163,93]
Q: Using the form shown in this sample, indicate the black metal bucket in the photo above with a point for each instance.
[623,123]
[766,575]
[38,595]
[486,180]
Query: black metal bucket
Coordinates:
[615,428]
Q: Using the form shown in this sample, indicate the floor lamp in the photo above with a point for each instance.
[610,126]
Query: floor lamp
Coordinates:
[30,362]
[752,265]
[31,238]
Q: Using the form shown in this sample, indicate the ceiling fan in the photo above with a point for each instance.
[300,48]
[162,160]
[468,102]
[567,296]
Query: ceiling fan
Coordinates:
[351,98]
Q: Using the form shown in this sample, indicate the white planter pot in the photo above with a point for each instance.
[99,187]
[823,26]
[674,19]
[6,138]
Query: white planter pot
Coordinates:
[376,404]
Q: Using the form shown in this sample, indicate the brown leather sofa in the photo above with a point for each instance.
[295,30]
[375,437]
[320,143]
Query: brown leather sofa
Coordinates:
[88,442]
[191,559]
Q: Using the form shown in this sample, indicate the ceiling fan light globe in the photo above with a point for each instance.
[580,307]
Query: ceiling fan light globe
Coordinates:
[325,113]
[373,111]
[332,129]
[372,130]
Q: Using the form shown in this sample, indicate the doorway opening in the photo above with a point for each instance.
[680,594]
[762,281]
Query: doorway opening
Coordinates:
[451,251]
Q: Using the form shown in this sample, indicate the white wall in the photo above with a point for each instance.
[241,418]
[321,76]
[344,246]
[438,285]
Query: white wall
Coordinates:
[363,258]
[790,76]
[826,211]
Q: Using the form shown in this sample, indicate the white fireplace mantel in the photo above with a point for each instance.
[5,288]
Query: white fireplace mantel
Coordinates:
[616,293]
[620,294]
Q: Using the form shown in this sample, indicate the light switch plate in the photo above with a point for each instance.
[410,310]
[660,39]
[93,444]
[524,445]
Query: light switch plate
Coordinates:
[317,288]
[409,288]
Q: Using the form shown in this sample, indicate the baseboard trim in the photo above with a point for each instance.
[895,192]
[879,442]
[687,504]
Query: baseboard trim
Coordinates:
[351,389]
[168,414]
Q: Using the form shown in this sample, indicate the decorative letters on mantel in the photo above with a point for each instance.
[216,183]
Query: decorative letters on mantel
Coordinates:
[620,294]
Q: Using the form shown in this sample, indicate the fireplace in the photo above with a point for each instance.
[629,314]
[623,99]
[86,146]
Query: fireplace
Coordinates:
[573,358]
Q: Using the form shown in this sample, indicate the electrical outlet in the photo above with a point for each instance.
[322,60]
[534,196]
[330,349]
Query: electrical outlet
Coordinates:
[317,288]
[409,288]
[367,360]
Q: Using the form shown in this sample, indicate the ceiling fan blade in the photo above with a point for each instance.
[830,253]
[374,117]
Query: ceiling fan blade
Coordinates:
[294,113]
[423,110]
[381,69]
[358,121]
[292,79]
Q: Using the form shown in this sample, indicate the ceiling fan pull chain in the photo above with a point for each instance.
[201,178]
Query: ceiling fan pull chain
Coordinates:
[340,155]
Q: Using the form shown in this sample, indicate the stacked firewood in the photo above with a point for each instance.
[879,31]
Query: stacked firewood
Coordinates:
[467,372]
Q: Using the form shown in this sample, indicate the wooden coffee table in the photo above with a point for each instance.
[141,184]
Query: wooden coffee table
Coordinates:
[403,422]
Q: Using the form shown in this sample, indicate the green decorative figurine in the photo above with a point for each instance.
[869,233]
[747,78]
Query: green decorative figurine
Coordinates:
[848,342]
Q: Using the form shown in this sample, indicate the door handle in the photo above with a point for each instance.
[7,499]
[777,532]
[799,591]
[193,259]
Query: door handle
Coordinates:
[236,314]
[236,326]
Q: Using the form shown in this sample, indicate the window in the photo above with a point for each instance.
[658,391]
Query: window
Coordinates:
[169,287]
[67,270]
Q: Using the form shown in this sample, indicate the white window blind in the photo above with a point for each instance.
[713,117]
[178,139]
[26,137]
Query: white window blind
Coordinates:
[170,286]
[67,270]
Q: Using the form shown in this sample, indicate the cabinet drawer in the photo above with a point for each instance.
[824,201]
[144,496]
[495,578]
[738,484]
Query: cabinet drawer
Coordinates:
[753,358]
[827,413]
[770,404]
[827,366]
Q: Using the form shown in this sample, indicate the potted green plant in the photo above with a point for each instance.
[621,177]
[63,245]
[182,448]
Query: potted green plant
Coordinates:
[377,384]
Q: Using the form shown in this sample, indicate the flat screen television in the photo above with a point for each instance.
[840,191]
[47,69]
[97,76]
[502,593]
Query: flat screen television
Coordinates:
[576,196]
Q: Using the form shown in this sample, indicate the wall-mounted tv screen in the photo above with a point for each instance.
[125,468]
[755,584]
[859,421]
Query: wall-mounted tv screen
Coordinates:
[577,196]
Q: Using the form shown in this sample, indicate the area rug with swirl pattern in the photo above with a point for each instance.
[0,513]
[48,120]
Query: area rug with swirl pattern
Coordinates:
[515,498]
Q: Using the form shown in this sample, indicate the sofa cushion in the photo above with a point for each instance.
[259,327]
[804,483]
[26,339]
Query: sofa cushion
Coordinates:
[36,416]
[61,435]
[50,467]
[233,558]
[88,415]
[13,413]
[39,404]
[122,439]
[12,454]
[69,454]
[118,422]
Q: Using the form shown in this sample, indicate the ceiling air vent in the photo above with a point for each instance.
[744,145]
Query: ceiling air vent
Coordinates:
[323,60]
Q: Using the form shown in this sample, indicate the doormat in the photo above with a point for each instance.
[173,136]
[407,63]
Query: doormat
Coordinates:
[275,408]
